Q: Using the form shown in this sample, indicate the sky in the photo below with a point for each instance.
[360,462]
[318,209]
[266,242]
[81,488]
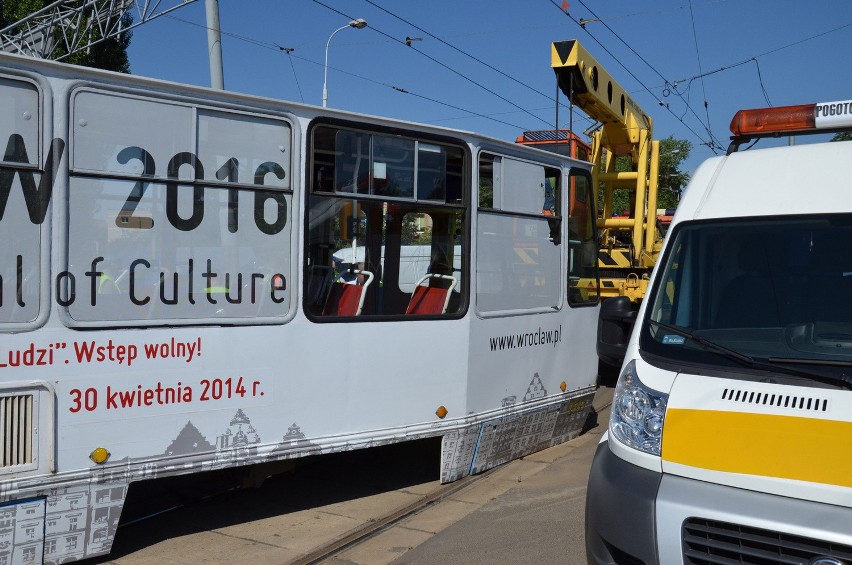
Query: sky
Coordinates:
[485,66]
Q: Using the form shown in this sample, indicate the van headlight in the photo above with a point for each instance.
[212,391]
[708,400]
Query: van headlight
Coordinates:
[637,413]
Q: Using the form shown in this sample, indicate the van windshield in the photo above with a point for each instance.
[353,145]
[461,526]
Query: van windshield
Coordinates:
[777,289]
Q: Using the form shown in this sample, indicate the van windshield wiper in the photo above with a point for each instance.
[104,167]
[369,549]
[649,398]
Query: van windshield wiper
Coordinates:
[775,364]
[805,361]
[742,358]
[843,378]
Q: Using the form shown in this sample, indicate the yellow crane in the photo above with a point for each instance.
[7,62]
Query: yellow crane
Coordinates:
[631,241]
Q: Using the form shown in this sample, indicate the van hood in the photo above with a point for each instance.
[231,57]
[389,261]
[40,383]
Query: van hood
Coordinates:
[787,440]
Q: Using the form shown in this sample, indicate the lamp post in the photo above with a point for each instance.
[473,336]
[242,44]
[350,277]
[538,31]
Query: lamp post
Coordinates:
[357,24]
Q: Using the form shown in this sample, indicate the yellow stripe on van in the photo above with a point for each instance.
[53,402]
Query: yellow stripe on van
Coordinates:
[803,449]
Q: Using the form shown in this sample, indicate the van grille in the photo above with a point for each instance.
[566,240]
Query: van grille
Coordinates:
[707,542]
[16,429]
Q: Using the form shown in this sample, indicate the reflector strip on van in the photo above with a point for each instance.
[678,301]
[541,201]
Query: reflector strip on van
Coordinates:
[787,447]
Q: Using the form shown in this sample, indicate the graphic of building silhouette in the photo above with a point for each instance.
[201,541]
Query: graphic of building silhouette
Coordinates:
[294,443]
[238,444]
[189,441]
[535,390]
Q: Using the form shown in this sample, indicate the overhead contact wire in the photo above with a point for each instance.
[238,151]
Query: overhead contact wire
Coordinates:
[712,143]
[275,47]
[445,66]
[664,105]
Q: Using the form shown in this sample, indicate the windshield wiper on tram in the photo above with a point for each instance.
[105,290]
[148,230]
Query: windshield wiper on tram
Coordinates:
[772,364]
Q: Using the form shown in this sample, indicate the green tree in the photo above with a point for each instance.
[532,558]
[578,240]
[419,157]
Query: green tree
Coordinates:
[410,234]
[671,179]
[842,136]
[110,54]
[13,10]
[673,152]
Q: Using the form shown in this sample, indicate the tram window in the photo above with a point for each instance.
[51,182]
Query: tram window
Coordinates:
[388,248]
[381,237]
[23,248]
[490,167]
[177,229]
[352,162]
[431,173]
[423,255]
[512,185]
[392,167]
[529,188]
[518,237]
[163,273]
[583,284]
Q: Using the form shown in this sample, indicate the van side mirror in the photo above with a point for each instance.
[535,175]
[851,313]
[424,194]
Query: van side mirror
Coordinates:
[615,322]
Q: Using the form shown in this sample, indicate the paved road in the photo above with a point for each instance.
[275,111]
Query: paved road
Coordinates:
[527,511]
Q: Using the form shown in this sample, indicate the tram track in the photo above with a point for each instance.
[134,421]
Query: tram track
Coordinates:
[389,502]
[379,525]
[341,546]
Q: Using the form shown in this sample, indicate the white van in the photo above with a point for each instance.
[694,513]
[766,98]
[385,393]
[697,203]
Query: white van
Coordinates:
[730,439]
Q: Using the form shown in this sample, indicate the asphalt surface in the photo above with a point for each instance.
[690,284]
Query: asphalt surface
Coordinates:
[526,511]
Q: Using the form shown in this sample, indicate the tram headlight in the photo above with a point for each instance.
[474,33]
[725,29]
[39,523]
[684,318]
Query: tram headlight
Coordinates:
[638,413]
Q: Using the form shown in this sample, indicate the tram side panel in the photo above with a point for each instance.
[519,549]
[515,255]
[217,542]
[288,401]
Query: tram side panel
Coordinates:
[137,219]
[155,322]
[107,230]
[530,373]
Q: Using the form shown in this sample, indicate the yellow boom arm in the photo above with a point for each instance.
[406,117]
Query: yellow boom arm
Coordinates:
[625,130]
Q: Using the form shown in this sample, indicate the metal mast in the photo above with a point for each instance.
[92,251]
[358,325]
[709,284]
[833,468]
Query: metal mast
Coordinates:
[68,26]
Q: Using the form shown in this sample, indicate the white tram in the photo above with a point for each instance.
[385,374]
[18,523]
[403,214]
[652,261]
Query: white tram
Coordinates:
[176,295]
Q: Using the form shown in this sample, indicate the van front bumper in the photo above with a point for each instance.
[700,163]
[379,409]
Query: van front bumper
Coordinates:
[620,511]
[636,516]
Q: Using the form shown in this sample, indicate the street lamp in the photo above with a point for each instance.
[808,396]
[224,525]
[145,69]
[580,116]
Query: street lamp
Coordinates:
[357,24]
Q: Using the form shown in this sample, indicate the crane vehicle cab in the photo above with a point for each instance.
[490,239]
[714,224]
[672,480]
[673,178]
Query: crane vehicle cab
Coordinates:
[731,420]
